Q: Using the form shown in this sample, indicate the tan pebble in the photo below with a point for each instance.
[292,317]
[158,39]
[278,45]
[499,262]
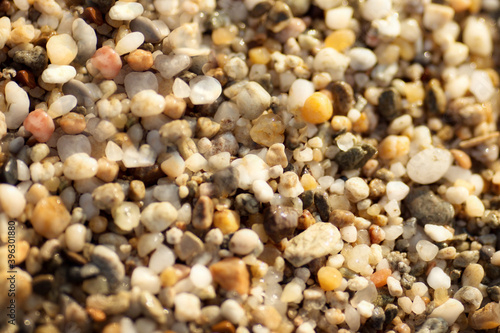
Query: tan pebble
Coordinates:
[267,316]
[228,221]
[50,217]
[232,275]
[98,224]
[463,160]
[36,193]
[171,275]
[140,60]
[174,107]
[224,35]
[305,220]
[340,123]
[106,170]
[137,190]
[341,218]
[276,155]
[268,129]
[259,55]
[73,123]
[460,5]
[206,127]
[394,146]
[486,318]
[22,250]
[362,125]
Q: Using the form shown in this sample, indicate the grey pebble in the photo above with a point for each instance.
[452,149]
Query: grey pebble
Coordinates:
[322,205]
[146,27]
[280,222]
[433,325]
[463,259]
[246,204]
[8,171]
[427,207]
[299,7]
[80,91]
[96,285]
[152,307]
[278,16]
[225,181]
[89,270]
[36,59]
[189,246]
[356,157]
[470,297]
[494,293]
[435,98]
[389,104]
[109,263]
[307,199]
[225,142]
[377,319]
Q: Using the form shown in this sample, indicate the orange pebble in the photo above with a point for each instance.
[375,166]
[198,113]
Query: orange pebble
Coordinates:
[317,108]
[379,278]
[40,125]
[140,60]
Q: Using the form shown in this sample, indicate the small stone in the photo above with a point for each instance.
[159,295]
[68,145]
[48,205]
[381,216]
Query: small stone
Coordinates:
[303,248]
[470,297]
[429,165]
[433,325]
[278,17]
[187,307]
[129,43]
[474,206]
[58,74]
[437,278]
[9,171]
[389,104]
[147,103]
[36,58]
[488,317]
[125,11]
[267,316]
[317,108]
[394,146]
[375,9]
[80,166]
[26,78]
[449,311]
[73,123]
[50,217]
[280,222]
[228,221]
[343,96]
[252,100]
[204,90]
[140,60]
[107,61]
[268,129]
[428,207]
[203,213]
[355,157]
[39,123]
[171,65]
[148,28]
[329,278]
[232,275]
[435,98]
[126,215]
[189,246]
[290,185]
[276,155]
[223,327]
[426,250]
[78,89]
[61,49]
[244,242]
[356,189]
[476,35]
[226,181]
[146,280]
[465,258]
[341,218]
[12,200]
[152,307]
[362,59]
[246,204]
[435,16]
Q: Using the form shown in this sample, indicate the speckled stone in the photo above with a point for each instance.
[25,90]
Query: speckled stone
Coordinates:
[427,207]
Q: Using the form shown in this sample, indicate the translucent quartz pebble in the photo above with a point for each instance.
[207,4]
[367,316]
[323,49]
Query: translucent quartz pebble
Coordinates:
[429,165]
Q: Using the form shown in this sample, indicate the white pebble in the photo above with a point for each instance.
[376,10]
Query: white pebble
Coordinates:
[158,216]
[299,91]
[125,11]
[437,278]
[148,242]
[481,86]
[338,18]
[12,200]
[147,103]
[437,233]
[204,90]
[75,237]
[113,151]
[162,258]
[495,258]
[244,241]
[18,105]
[362,58]
[457,194]
[200,276]
[397,190]
[262,191]
[145,279]
[80,166]
[426,250]
[449,311]
[61,106]
[58,73]
[187,307]
[181,89]
[126,215]
[356,189]
[129,43]
[173,166]
[376,9]
[349,234]
[477,36]
[196,162]
[474,207]
[429,165]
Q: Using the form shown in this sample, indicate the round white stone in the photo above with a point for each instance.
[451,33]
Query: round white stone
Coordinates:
[429,165]
[200,276]
[204,90]
[437,278]
[147,103]
[129,43]
[244,241]
[339,18]
[426,250]
[162,258]
[362,58]
[262,190]
[437,233]
[397,190]
[80,166]
[75,237]
[187,307]
[58,74]
[12,200]
[125,11]
[146,280]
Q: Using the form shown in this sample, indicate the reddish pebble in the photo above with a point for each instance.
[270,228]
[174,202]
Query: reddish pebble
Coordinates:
[379,278]
[40,125]
[107,61]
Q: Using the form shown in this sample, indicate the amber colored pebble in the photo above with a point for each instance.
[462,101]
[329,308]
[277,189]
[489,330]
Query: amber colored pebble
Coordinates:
[94,15]
[73,123]
[463,160]
[317,108]
[329,278]
[379,278]
[305,220]
[140,60]
[26,78]
[4,6]
[96,315]
[223,327]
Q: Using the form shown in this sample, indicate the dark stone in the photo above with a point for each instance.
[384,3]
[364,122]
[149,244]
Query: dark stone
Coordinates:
[494,293]
[149,175]
[225,181]
[80,91]
[486,252]
[433,325]
[197,63]
[455,274]
[36,59]
[280,222]
[278,16]
[347,273]
[246,204]
[463,259]
[307,199]
[402,245]
[492,271]
[435,98]
[418,268]
[322,206]
[103,5]
[74,274]
[89,271]
[145,26]
[389,104]
[260,9]
[407,281]
[343,96]
[383,298]
[377,319]
[299,7]
[391,311]
[356,157]
[403,267]
[427,207]
[8,171]
[217,20]
[42,284]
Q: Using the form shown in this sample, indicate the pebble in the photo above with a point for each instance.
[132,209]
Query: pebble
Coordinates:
[317,108]
[189,246]
[107,61]
[58,73]
[146,280]
[426,250]
[355,157]
[437,278]
[228,221]
[126,215]
[435,16]
[125,11]
[40,124]
[148,28]
[435,162]
[375,9]
[449,311]
[470,297]
[252,100]
[75,237]
[488,317]
[36,58]
[476,35]
[290,185]
[474,207]
[129,43]
[18,101]
[140,60]
[232,275]
[356,189]
[187,307]
[329,278]
[80,166]
[428,207]
[438,233]
[204,90]
[147,103]
[302,248]
[244,241]
[389,104]
[362,59]
[12,200]
[225,181]
[394,146]
[433,325]
[85,37]
[338,18]
[50,217]
[62,106]
[61,50]
[281,222]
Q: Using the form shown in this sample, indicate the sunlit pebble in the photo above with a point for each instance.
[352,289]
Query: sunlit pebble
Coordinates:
[40,125]
[107,61]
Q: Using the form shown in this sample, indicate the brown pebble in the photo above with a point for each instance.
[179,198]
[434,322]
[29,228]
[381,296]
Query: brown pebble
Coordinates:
[106,170]
[267,316]
[232,275]
[73,123]
[94,15]
[96,315]
[463,160]
[377,235]
[203,213]
[140,60]
[343,96]
[223,327]
[486,318]
[26,78]
[4,6]
[137,190]
[305,220]
[341,218]
[112,328]
[50,217]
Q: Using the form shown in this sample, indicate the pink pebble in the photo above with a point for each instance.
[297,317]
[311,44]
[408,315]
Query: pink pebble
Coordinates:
[107,61]
[40,125]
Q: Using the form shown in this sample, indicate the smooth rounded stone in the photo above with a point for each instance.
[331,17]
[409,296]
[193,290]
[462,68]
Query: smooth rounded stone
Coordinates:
[109,264]
[19,104]
[429,165]
[61,50]
[203,213]
[476,35]
[75,237]
[181,89]
[151,32]
[244,242]
[12,171]
[148,242]
[86,40]
[50,217]
[79,90]
[437,278]
[426,250]
[362,59]
[129,43]
[263,191]
[5,25]
[438,233]
[465,258]
[147,103]
[397,190]
[290,185]
[232,275]
[303,248]
[488,317]
[40,124]
[252,100]
[481,79]
[436,15]
[474,207]
[107,61]
[470,297]
[146,280]
[58,74]
[152,308]
[225,181]
[299,92]
[162,258]
[68,145]
[187,307]
[62,106]
[449,311]
[280,222]
[376,9]
[188,246]
[125,11]
[331,61]
[80,166]
[158,216]
[171,65]
[200,276]
[12,200]
[338,18]
[126,215]
[113,151]
[433,325]
[204,90]
[427,207]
